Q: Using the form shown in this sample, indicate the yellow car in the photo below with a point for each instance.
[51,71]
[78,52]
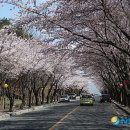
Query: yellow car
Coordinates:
[86,99]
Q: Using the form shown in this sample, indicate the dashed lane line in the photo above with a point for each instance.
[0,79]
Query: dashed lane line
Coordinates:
[62,119]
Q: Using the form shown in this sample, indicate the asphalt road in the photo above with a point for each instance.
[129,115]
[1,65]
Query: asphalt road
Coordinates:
[67,116]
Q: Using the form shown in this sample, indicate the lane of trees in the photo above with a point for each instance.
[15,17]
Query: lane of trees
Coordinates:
[35,72]
[97,31]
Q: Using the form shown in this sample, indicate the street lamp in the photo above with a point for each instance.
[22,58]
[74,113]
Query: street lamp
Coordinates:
[5,87]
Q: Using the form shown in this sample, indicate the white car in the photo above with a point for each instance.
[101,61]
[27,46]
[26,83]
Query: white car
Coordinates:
[64,98]
[72,96]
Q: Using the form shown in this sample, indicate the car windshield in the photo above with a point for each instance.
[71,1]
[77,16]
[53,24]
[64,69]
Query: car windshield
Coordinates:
[86,96]
[64,96]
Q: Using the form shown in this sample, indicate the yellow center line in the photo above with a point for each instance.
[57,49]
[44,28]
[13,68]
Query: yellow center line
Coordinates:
[62,119]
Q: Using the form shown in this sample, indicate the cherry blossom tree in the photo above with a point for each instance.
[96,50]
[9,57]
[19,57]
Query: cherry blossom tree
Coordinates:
[94,32]
[30,66]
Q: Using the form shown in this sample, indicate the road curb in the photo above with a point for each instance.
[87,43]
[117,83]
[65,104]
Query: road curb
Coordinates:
[33,109]
[122,107]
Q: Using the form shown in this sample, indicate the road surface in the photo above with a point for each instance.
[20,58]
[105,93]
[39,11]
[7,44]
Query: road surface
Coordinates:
[67,116]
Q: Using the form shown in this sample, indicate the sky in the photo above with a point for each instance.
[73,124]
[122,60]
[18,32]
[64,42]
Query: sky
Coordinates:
[10,12]
[92,87]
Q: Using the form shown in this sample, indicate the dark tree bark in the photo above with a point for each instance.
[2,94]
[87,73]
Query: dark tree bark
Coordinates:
[11,104]
[23,101]
[43,96]
[29,98]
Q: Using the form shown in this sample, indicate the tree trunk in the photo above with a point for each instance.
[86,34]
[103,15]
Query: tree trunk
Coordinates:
[54,95]
[48,95]
[37,101]
[48,99]
[128,98]
[11,104]
[51,98]
[29,98]
[23,101]
[36,98]
[43,96]
[124,97]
